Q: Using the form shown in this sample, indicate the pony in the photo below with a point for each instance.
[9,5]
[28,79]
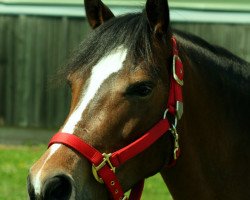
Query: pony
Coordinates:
[134,77]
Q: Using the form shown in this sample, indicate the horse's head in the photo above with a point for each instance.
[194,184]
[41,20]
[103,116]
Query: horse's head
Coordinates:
[120,84]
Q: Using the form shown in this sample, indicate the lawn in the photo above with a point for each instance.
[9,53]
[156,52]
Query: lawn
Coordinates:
[15,162]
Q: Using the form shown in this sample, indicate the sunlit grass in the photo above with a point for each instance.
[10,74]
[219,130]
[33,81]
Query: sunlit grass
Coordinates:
[155,188]
[15,162]
[14,165]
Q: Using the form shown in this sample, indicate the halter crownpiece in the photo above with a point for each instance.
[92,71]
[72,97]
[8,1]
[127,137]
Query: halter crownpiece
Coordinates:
[103,164]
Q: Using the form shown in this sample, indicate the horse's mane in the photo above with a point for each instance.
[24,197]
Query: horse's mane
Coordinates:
[216,62]
[133,32]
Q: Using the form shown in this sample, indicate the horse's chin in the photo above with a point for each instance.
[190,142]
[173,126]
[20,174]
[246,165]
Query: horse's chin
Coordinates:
[89,195]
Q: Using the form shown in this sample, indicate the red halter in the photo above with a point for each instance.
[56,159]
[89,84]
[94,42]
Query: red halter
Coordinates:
[103,165]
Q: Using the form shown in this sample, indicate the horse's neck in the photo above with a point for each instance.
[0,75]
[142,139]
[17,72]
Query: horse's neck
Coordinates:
[220,90]
[214,135]
[218,81]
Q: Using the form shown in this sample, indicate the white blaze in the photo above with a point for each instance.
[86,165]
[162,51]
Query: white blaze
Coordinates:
[37,182]
[107,66]
[103,70]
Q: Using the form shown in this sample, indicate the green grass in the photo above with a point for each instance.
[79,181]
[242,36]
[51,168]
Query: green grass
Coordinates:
[155,188]
[14,165]
[15,162]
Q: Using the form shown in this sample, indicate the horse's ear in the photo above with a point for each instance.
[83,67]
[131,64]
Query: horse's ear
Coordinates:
[97,13]
[157,12]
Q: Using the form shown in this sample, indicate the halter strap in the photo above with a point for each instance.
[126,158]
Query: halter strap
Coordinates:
[103,165]
[175,100]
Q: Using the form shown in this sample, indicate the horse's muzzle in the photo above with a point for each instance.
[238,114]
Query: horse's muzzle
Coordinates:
[58,187]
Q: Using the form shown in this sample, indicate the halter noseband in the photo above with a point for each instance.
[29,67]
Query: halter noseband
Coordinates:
[104,165]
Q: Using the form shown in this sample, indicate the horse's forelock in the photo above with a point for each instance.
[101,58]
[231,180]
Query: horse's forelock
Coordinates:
[131,31]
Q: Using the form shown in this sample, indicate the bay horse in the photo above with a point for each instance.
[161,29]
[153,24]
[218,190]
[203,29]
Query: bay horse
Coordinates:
[127,85]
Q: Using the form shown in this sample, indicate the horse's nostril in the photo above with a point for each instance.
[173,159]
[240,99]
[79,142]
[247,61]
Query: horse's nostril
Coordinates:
[57,188]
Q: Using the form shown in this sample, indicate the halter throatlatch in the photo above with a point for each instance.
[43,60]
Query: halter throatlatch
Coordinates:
[104,165]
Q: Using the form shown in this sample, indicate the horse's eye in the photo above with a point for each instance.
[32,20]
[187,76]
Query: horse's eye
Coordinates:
[142,89]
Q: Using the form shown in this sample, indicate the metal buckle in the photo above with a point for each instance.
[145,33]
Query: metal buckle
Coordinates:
[179,109]
[176,141]
[180,82]
[105,161]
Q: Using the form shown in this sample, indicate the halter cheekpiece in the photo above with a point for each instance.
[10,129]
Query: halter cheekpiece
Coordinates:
[104,165]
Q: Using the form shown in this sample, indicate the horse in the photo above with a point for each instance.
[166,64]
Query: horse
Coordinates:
[147,98]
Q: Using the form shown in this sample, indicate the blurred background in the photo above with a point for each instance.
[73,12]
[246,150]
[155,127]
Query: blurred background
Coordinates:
[37,36]
[36,39]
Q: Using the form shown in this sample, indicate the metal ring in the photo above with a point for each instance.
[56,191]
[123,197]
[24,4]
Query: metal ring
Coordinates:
[175,121]
[165,114]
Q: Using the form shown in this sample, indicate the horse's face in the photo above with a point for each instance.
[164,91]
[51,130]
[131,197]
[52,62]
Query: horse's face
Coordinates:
[115,99]
[111,103]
